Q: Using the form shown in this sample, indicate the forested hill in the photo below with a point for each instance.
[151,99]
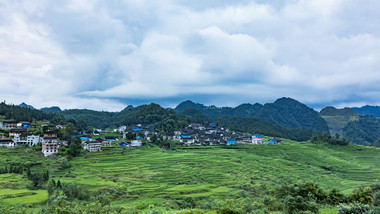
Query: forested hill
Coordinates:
[285,112]
[332,111]
[364,131]
[20,113]
[243,110]
[337,119]
[51,109]
[368,110]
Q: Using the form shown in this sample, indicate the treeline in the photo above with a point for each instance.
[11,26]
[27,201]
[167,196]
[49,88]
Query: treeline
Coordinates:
[285,112]
[37,178]
[306,197]
[254,125]
[327,139]
[27,114]
[12,168]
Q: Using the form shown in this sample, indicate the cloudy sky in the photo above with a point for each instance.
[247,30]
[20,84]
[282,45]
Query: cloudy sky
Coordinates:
[107,54]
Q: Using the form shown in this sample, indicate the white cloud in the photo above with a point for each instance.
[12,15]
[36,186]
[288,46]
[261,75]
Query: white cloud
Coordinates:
[80,53]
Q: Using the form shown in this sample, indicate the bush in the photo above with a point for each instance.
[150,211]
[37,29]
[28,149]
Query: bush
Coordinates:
[375,187]
[376,199]
[334,197]
[298,204]
[362,195]
[354,208]
[272,203]
[375,210]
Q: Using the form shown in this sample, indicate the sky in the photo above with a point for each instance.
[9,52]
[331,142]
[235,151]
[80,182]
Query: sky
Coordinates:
[105,55]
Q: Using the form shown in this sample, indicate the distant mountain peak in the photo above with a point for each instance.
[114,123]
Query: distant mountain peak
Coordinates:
[24,105]
[128,107]
[368,110]
[51,109]
[332,111]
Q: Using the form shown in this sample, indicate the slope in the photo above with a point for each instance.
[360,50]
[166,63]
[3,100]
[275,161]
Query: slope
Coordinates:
[168,178]
[337,119]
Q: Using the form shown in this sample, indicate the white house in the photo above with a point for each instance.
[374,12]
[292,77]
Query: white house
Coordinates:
[256,139]
[136,143]
[27,139]
[6,142]
[92,146]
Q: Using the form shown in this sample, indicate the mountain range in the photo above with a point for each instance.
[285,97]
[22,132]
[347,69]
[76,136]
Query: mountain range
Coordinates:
[284,112]
[285,117]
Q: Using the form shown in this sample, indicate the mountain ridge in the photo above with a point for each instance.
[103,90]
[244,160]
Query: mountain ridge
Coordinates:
[286,112]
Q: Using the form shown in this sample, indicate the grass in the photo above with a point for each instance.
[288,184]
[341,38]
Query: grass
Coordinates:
[152,176]
[22,196]
[329,211]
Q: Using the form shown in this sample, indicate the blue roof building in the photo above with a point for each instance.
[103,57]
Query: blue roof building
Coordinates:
[231,141]
[185,136]
[84,138]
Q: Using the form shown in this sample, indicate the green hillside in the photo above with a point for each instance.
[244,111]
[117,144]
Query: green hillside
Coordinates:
[337,119]
[285,112]
[198,177]
[364,131]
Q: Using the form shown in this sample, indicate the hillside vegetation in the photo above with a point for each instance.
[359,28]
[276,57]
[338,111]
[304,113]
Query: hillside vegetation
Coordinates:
[364,131]
[337,119]
[368,110]
[285,112]
[151,179]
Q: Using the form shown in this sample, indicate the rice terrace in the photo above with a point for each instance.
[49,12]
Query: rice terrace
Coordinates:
[200,179]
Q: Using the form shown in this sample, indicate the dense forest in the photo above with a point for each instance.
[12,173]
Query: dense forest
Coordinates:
[368,110]
[285,112]
[332,111]
[20,113]
[364,131]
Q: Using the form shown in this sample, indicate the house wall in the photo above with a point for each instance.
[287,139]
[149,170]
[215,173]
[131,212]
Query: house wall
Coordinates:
[49,148]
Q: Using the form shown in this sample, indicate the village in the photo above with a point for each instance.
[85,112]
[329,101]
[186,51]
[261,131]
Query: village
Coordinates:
[125,136]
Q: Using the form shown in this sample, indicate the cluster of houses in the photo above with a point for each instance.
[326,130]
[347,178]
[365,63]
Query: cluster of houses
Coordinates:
[212,134]
[19,136]
[194,134]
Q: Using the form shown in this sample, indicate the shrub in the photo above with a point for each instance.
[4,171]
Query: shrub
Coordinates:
[376,199]
[299,204]
[375,187]
[272,203]
[334,197]
[354,208]
[362,195]
[375,210]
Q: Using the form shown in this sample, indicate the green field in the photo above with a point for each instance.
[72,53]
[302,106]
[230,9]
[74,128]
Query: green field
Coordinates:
[155,177]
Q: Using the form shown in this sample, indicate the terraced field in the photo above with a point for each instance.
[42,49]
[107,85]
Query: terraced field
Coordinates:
[152,176]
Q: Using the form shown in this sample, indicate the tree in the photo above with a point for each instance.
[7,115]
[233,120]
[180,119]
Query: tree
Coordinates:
[74,148]
[68,131]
